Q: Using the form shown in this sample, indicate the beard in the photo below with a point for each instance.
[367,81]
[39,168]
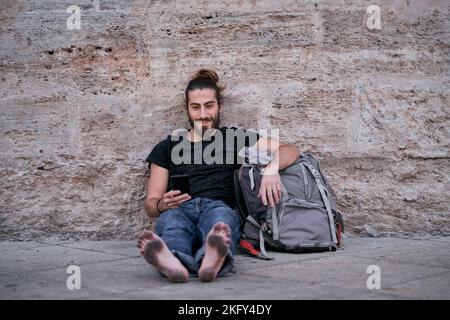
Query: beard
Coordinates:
[215,121]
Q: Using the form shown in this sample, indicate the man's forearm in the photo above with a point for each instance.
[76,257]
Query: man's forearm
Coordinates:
[283,157]
[288,153]
[283,154]
[150,207]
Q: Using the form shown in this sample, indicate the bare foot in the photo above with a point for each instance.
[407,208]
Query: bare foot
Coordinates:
[217,243]
[157,254]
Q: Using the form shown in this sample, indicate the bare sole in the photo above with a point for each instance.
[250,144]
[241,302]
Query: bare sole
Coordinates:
[152,254]
[217,246]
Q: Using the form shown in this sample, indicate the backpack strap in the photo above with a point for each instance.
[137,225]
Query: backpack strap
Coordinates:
[252,178]
[261,244]
[261,238]
[325,199]
[305,182]
[275,229]
[241,208]
[273,212]
[250,249]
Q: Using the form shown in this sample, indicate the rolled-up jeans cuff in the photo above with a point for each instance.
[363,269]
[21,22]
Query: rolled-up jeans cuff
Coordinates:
[187,261]
[228,264]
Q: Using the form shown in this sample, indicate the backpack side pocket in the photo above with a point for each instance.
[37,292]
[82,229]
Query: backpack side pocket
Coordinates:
[304,226]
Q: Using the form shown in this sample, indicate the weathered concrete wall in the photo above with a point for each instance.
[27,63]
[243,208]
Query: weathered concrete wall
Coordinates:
[81,109]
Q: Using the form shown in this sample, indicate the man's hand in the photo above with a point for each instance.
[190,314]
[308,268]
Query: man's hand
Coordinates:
[172,199]
[270,189]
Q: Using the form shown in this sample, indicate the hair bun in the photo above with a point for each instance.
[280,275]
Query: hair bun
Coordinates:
[206,74]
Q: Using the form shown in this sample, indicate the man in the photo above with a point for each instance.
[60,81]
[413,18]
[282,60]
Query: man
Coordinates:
[196,233]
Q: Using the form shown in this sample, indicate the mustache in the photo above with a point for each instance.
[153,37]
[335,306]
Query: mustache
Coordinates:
[204,119]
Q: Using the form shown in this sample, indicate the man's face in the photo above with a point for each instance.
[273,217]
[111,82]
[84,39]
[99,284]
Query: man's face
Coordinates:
[203,109]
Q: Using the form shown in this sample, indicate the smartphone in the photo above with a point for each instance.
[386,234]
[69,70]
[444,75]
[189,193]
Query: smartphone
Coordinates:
[180,182]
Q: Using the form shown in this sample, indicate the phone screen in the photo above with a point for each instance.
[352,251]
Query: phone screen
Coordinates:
[180,182]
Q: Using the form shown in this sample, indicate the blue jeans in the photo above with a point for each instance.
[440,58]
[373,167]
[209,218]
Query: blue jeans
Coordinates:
[184,230]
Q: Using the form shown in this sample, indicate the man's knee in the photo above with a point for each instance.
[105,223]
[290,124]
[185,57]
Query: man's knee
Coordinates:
[222,214]
[169,219]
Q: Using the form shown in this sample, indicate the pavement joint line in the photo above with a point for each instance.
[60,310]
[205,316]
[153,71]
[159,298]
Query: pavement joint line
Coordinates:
[81,265]
[70,246]
[421,278]
[54,244]
[396,238]
[297,261]
[249,275]
[107,261]
[95,250]
[438,240]
[283,281]
[417,239]
[396,261]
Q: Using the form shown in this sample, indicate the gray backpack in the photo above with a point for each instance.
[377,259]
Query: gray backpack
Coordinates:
[305,220]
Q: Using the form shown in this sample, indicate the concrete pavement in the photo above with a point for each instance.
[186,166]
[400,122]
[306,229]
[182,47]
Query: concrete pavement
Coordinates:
[408,269]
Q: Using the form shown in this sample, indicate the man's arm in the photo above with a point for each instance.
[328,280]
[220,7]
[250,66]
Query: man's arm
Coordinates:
[157,185]
[283,156]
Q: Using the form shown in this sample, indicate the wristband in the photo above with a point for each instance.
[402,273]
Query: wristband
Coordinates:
[157,205]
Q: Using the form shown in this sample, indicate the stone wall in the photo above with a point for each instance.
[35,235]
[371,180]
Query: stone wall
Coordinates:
[81,109]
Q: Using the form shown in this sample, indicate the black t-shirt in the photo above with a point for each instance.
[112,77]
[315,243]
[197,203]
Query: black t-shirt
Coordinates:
[210,171]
